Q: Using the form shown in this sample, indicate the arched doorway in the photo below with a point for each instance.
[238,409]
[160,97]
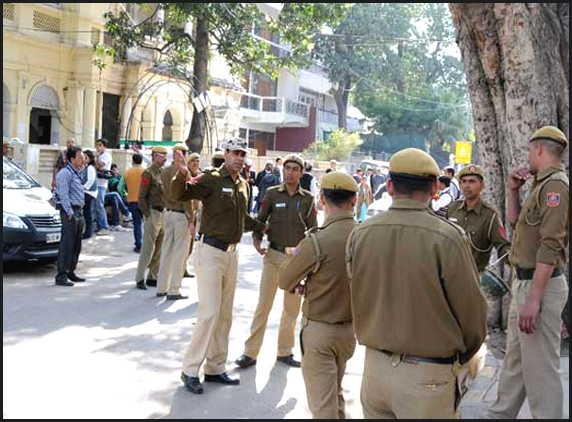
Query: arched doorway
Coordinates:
[44,125]
[167,133]
[5,110]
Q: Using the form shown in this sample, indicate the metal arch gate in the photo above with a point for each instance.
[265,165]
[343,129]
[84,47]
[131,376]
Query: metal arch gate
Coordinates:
[146,84]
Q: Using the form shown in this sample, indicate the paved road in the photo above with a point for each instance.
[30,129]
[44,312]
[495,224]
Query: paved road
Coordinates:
[103,349]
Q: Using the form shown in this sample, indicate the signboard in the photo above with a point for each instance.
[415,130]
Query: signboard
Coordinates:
[463,152]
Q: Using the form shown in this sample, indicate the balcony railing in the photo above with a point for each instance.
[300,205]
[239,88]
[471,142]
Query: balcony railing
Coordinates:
[331,118]
[274,110]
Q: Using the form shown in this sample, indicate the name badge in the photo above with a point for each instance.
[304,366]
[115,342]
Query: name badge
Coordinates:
[226,191]
[280,205]
[453,219]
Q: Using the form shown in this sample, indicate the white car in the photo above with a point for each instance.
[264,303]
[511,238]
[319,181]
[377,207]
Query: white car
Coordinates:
[379,206]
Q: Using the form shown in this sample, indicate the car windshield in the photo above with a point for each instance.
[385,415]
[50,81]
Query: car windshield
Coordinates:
[16,178]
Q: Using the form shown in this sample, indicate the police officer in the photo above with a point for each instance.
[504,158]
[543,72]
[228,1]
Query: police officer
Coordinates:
[177,219]
[327,338]
[530,368]
[151,205]
[193,164]
[225,217]
[289,210]
[416,300]
[481,222]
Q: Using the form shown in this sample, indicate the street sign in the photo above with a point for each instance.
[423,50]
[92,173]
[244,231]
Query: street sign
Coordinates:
[463,152]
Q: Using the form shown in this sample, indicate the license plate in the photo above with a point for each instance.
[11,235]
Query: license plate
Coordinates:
[53,237]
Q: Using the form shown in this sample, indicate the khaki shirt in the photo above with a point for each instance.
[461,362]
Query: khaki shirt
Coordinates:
[542,228]
[224,213]
[328,290]
[150,189]
[483,228]
[289,216]
[171,203]
[414,282]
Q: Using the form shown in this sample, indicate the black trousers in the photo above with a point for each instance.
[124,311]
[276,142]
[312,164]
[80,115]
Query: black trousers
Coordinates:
[70,243]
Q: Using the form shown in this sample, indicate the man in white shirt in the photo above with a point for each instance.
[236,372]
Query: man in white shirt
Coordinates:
[102,162]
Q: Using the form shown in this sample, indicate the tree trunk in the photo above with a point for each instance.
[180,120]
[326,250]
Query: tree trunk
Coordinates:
[517,78]
[516,62]
[196,137]
[341,95]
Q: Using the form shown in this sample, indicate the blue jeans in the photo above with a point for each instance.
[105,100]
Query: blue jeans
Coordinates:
[117,204]
[100,214]
[137,223]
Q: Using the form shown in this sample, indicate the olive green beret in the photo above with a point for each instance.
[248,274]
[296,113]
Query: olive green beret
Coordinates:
[294,158]
[339,181]
[413,162]
[471,170]
[159,150]
[550,133]
[193,156]
[180,147]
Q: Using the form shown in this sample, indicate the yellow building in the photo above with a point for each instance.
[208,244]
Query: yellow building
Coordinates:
[52,90]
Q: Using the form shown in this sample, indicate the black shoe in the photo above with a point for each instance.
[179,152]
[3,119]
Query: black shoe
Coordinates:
[74,277]
[141,285]
[192,383]
[188,274]
[289,360]
[245,361]
[222,379]
[161,294]
[64,283]
[151,282]
[136,249]
[177,297]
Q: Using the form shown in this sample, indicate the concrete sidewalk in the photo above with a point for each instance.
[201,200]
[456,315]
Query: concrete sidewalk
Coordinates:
[483,390]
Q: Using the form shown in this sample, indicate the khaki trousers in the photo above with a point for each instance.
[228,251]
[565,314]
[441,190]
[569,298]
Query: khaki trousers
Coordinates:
[530,368]
[150,255]
[291,308]
[395,389]
[174,251]
[216,273]
[326,349]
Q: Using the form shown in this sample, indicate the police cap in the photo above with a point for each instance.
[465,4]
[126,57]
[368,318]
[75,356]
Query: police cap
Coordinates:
[550,133]
[471,170]
[218,154]
[294,158]
[6,141]
[413,163]
[159,150]
[339,181]
[193,156]
[236,144]
[180,147]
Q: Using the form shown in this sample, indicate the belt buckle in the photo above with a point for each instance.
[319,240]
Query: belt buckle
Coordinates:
[231,248]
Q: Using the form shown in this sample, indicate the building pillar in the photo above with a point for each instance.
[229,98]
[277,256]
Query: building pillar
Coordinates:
[90,117]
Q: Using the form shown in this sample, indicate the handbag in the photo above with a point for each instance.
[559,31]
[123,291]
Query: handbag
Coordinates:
[104,174]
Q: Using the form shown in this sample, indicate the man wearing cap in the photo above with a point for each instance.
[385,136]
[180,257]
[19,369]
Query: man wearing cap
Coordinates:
[289,211]
[327,338]
[419,312]
[482,224]
[178,217]
[193,164]
[224,195]
[539,292]
[6,147]
[151,203]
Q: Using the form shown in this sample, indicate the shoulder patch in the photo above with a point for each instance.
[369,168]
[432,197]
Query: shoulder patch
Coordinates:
[145,180]
[552,199]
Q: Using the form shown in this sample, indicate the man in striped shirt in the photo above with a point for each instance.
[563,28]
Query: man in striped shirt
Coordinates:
[69,188]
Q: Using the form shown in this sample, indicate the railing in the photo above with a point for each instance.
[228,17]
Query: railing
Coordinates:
[274,105]
[331,118]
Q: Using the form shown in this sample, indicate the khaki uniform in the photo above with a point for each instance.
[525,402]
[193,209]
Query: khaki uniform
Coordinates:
[327,336]
[530,368]
[224,220]
[289,217]
[151,205]
[415,294]
[483,228]
[177,216]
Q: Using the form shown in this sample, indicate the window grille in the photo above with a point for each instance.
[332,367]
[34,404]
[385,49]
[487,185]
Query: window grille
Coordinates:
[46,22]
[8,10]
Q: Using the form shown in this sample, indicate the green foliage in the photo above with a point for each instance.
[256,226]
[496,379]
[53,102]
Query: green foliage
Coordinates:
[402,72]
[339,145]
[229,32]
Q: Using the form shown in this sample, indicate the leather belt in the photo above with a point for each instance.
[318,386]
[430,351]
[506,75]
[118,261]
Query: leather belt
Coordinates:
[215,243]
[528,274]
[416,359]
[277,247]
[157,208]
[170,209]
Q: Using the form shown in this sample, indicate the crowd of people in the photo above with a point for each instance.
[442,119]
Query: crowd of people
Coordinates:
[405,283]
